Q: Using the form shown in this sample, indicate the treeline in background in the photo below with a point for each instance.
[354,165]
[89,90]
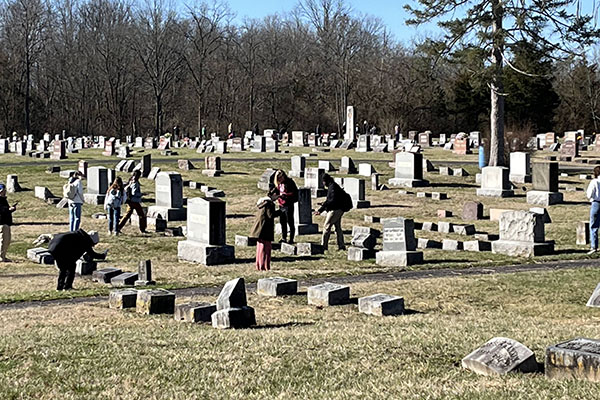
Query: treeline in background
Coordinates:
[111,67]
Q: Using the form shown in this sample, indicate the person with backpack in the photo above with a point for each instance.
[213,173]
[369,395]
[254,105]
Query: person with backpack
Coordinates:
[115,197]
[73,192]
[133,190]
[287,195]
[337,203]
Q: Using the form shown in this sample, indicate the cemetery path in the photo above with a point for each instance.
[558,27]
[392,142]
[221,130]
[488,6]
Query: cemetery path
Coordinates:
[376,277]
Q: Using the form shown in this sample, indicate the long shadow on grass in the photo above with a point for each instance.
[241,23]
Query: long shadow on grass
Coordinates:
[426,261]
[569,251]
[278,259]
[286,325]
[238,216]
[454,185]
[40,223]
[387,206]
[236,173]
[575,203]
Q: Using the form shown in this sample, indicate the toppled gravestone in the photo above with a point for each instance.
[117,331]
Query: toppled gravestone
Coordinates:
[500,356]
[232,308]
[121,299]
[194,312]
[156,301]
[276,286]
[328,294]
[381,304]
[577,358]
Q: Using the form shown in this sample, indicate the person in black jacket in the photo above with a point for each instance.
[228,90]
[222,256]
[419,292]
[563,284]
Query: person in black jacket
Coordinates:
[335,205]
[67,248]
[6,222]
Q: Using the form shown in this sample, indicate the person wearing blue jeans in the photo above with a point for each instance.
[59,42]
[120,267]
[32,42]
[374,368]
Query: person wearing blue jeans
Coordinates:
[593,194]
[75,202]
[115,197]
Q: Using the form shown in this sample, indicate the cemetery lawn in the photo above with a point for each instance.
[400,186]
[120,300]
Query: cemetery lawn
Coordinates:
[23,280]
[88,351]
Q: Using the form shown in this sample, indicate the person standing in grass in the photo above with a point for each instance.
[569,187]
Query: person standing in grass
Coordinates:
[263,232]
[593,194]
[336,204]
[6,222]
[287,192]
[115,197]
[73,192]
[133,190]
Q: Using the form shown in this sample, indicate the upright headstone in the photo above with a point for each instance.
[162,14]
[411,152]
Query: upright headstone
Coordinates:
[4,148]
[495,182]
[12,184]
[298,166]
[520,167]
[169,197]
[205,242]
[461,146]
[399,244]
[364,144]
[144,273]
[356,189]
[545,185]
[212,166]
[425,139]
[59,150]
[350,134]
[313,179]
[109,148]
[146,165]
[408,170]
[347,166]
[298,138]
[522,235]
[97,185]
[303,213]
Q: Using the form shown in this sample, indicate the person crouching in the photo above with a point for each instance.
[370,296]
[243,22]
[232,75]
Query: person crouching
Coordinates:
[263,232]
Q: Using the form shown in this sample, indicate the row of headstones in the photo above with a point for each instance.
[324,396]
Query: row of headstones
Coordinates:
[115,276]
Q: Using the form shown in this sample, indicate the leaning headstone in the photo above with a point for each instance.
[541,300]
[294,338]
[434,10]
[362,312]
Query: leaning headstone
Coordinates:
[545,185]
[194,312]
[500,356]
[232,308]
[328,294]
[408,170]
[381,305]
[153,173]
[520,167]
[156,301]
[122,299]
[577,358]
[169,197]
[399,244]
[495,182]
[205,242]
[266,180]
[276,286]
[522,235]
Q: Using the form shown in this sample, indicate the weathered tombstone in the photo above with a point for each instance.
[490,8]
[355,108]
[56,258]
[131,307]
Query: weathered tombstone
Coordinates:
[545,185]
[298,167]
[59,150]
[82,167]
[212,166]
[232,309]
[97,185]
[577,358]
[124,152]
[104,275]
[313,179]
[569,150]
[520,167]
[164,143]
[298,138]
[356,189]
[522,235]
[594,300]
[583,233]
[495,182]
[122,299]
[156,301]
[347,166]
[408,170]
[109,148]
[500,356]
[328,294]
[381,305]
[550,139]
[271,145]
[144,274]
[12,184]
[276,286]
[169,197]
[399,244]
[194,312]
[4,148]
[461,146]
[259,144]
[205,242]
[350,134]
[237,144]
[363,144]
[425,139]
[150,143]
[472,210]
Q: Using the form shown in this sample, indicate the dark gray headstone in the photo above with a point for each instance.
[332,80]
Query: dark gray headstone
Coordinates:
[232,295]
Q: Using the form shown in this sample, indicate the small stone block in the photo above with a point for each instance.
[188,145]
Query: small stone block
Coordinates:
[372,219]
[276,286]
[360,254]
[439,196]
[328,294]
[124,279]
[104,275]
[578,358]
[121,299]
[500,356]
[244,241]
[464,229]
[158,301]
[309,249]
[288,249]
[451,245]
[477,245]
[236,318]
[444,214]
[381,305]
[194,312]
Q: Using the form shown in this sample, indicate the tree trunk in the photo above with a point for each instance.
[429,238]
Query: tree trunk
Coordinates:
[497,90]
[158,117]
[27,94]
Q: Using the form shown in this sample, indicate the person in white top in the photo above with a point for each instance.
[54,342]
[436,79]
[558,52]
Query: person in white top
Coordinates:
[593,194]
[75,201]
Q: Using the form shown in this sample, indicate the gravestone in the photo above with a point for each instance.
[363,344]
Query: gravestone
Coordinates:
[303,213]
[408,170]
[326,165]
[109,148]
[298,138]
[495,182]
[97,185]
[124,279]
[59,150]
[276,286]
[266,180]
[259,144]
[347,166]
[82,167]
[168,197]
[350,135]
[124,152]
[206,228]
[472,210]
[583,233]
[399,244]
[425,139]
[461,146]
[569,150]
[194,312]
[545,185]
[313,179]
[139,142]
[271,145]
[237,144]
[500,356]
[550,139]
[356,189]
[153,173]
[381,305]
[122,299]
[366,169]
[363,144]
[212,166]
[150,143]
[232,308]
[146,165]
[522,235]
[577,358]
[104,275]
[156,301]
[298,167]
[12,184]
[4,148]
[144,274]
[328,294]
[520,167]
[594,300]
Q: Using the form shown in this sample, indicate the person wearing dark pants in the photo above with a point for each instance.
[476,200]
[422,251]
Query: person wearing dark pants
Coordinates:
[134,202]
[593,194]
[67,248]
[287,195]
[334,207]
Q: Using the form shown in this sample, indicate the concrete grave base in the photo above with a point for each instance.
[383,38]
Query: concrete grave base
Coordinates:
[94,199]
[400,182]
[578,358]
[398,258]
[522,249]
[194,312]
[520,178]
[236,318]
[121,299]
[301,229]
[168,214]
[360,254]
[495,193]
[542,198]
[205,254]
[381,304]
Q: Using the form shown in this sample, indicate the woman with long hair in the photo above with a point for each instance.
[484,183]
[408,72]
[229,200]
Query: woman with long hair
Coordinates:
[115,198]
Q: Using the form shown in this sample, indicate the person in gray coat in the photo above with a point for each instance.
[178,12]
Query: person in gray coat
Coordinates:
[134,202]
